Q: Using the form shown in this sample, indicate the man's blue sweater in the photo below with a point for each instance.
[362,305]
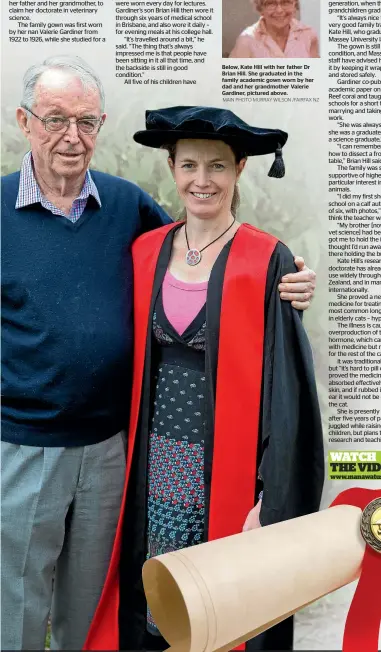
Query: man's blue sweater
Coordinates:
[67,314]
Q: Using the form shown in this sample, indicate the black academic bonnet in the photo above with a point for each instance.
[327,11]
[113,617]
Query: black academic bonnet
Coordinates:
[166,126]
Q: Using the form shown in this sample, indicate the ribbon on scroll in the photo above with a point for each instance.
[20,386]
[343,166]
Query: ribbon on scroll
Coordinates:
[362,625]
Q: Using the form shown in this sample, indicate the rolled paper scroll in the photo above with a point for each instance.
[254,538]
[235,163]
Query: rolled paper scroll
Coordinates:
[362,626]
[217,595]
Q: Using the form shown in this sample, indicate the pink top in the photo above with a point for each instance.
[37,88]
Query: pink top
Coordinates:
[182,301]
[255,42]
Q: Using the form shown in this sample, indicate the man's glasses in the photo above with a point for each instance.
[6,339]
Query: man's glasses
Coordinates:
[283,4]
[86,126]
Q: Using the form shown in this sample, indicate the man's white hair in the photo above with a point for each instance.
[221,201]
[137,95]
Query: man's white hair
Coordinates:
[70,64]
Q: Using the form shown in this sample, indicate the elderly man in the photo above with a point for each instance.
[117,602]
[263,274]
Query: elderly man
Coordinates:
[67,338]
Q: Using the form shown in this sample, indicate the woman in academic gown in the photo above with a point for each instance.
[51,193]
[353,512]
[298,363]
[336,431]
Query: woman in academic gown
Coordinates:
[225,429]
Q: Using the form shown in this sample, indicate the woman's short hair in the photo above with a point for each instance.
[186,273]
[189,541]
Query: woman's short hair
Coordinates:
[259,4]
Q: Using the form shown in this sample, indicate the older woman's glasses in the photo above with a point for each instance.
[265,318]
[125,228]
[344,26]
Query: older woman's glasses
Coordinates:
[60,124]
[283,4]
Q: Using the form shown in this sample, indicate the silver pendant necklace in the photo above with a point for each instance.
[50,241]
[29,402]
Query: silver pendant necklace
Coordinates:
[193,256]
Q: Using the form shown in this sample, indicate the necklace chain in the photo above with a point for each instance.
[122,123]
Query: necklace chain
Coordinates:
[193,256]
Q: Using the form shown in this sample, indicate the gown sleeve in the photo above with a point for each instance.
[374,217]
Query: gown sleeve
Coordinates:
[292,464]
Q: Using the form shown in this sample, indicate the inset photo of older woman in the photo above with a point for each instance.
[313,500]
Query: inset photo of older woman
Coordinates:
[277,29]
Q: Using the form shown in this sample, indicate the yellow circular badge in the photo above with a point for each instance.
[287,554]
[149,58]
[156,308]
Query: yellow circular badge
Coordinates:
[371,524]
[375,524]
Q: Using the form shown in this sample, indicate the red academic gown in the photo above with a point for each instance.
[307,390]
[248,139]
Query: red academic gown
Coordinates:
[263,414]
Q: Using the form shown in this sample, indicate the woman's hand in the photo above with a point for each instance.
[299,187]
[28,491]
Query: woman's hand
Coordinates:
[299,287]
[252,519]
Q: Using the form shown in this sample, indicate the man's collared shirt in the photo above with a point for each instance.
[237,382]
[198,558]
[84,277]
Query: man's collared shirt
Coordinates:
[30,193]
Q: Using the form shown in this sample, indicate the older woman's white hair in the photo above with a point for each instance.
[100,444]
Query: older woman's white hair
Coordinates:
[260,4]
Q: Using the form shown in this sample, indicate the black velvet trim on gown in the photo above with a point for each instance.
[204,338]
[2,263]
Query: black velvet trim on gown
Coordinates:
[291,388]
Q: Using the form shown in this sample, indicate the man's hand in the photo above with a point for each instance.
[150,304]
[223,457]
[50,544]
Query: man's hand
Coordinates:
[299,287]
[252,519]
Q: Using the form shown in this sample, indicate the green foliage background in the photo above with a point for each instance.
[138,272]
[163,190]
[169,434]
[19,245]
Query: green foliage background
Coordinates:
[293,209]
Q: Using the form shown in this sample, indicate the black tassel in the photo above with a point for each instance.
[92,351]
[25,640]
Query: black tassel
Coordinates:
[277,169]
